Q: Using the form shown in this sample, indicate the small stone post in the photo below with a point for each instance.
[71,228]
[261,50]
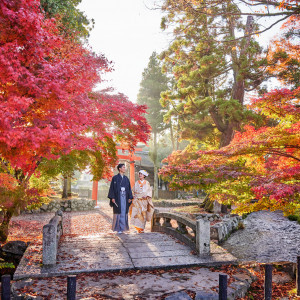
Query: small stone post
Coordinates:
[49,244]
[203,237]
[268,282]
[5,287]
[71,287]
[222,287]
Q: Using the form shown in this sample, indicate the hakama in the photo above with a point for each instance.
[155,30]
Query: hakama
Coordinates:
[120,221]
[120,190]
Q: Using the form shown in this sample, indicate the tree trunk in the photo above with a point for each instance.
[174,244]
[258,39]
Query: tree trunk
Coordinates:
[226,129]
[65,188]
[155,185]
[4,225]
[177,135]
[155,193]
[69,189]
[172,135]
[238,90]
[226,136]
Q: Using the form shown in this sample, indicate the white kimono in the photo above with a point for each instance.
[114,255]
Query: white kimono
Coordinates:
[141,209]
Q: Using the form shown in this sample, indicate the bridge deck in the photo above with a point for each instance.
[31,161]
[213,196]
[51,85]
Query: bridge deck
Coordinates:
[107,251]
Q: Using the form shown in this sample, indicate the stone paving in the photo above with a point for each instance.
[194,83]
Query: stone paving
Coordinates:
[107,252]
[267,237]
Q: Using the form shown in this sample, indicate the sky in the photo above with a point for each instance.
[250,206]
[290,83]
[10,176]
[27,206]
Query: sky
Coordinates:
[126,32]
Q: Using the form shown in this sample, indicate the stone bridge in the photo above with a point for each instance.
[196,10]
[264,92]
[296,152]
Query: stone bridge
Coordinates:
[177,243]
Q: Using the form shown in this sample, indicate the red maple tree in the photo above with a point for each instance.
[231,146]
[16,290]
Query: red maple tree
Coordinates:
[47,103]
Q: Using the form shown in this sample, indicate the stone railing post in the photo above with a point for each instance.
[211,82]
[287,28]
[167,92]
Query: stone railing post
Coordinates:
[49,244]
[155,221]
[203,237]
[51,235]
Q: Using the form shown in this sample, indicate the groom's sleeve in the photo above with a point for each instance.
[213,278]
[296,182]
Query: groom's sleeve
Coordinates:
[130,191]
[111,192]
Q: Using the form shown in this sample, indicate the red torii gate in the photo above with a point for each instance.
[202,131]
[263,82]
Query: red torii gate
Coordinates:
[132,158]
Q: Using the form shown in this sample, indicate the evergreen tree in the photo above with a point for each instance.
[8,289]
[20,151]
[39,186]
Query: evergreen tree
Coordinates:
[152,84]
[214,60]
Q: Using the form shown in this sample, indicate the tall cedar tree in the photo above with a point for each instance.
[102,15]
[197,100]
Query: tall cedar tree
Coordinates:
[152,84]
[212,67]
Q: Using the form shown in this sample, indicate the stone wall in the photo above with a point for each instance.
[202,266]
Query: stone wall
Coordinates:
[65,205]
[222,230]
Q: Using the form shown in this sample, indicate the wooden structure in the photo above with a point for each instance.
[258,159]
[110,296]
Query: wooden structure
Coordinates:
[131,158]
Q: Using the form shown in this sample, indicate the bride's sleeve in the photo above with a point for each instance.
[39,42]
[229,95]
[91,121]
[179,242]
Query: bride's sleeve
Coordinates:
[149,190]
[133,189]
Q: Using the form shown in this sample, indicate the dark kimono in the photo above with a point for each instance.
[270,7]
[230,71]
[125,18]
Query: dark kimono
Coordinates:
[120,190]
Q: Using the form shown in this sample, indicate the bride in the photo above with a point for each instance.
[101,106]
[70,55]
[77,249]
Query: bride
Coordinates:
[141,209]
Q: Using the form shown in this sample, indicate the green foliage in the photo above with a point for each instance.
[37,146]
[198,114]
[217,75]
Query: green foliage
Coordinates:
[65,164]
[6,265]
[294,218]
[74,21]
[41,183]
[152,84]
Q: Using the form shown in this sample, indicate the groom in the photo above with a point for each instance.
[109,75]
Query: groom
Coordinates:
[120,196]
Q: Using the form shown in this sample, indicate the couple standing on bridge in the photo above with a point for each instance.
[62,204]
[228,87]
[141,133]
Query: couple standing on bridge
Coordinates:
[139,206]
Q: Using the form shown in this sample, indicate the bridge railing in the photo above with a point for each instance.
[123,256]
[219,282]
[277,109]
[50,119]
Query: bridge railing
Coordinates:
[51,236]
[195,234]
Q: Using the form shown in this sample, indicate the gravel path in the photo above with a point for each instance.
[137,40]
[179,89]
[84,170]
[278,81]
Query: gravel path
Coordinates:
[267,237]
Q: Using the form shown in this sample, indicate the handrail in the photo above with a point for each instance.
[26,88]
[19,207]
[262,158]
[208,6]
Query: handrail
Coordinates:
[198,239]
[179,218]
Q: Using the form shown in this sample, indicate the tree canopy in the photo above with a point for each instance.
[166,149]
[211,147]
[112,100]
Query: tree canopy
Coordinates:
[73,22]
[260,168]
[48,106]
